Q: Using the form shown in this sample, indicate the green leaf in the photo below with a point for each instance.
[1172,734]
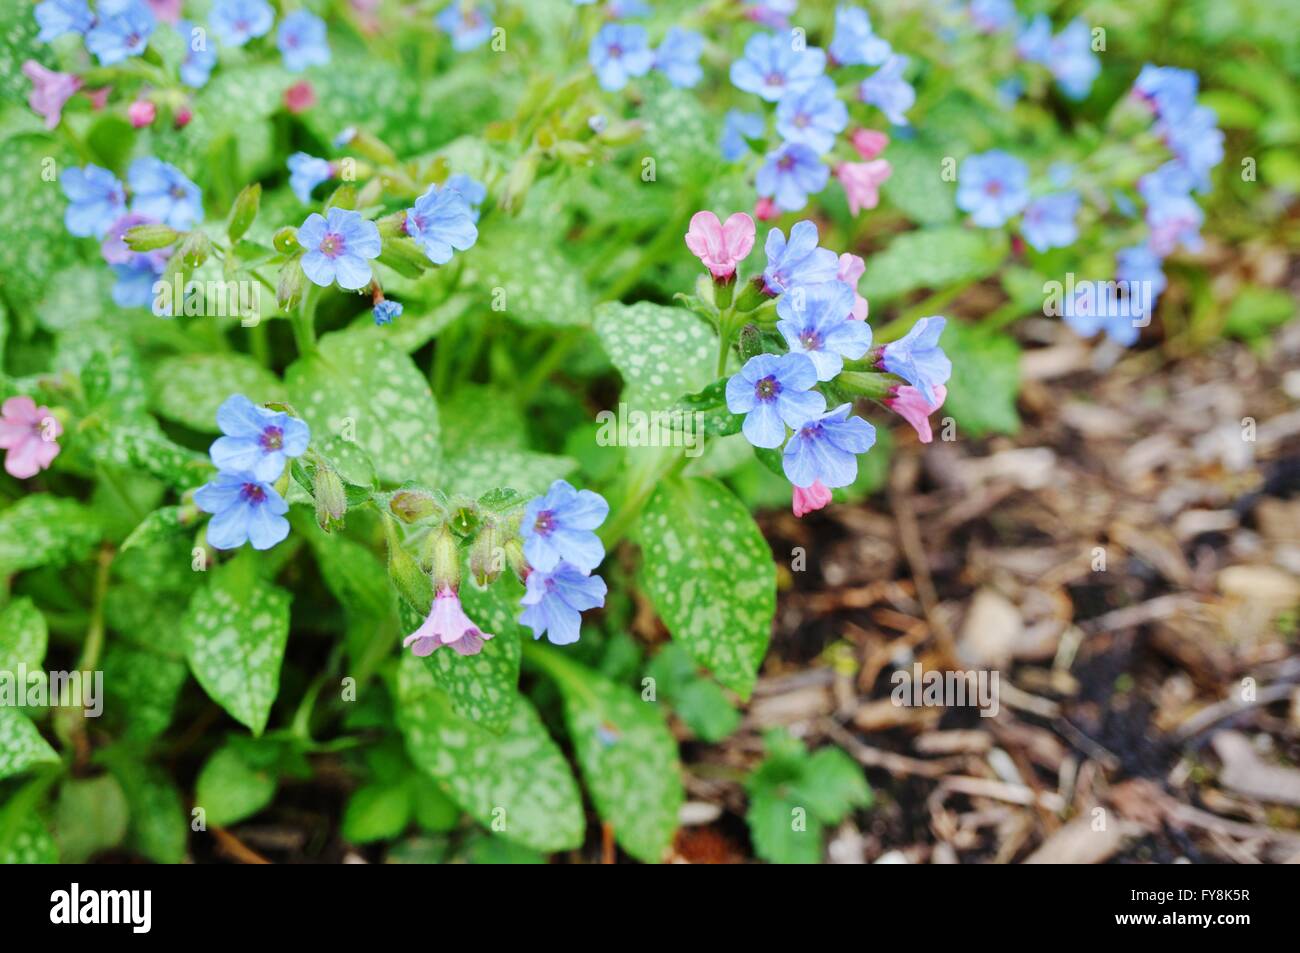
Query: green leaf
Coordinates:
[159,826]
[482,688]
[832,785]
[661,352]
[1256,311]
[985,379]
[477,470]
[21,745]
[932,258]
[31,843]
[709,572]
[377,812]
[354,381]
[91,815]
[41,530]
[143,688]
[434,811]
[161,524]
[517,783]
[141,444]
[230,788]
[782,829]
[30,205]
[236,628]
[627,755]
[23,636]
[189,389]
[528,280]
[914,187]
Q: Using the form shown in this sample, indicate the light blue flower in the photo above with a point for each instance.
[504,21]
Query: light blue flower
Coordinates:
[305,173]
[386,310]
[813,116]
[1095,307]
[558,528]
[339,248]
[678,57]
[244,509]
[619,52]
[1072,61]
[1034,42]
[888,91]
[164,193]
[798,261]
[121,34]
[1172,214]
[554,602]
[1197,141]
[990,16]
[790,174]
[855,43]
[825,448]
[302,42]
[237,21]
[818,321]
[918,359]
[472,191]
[992,186]
[772,65]
[200,58]
[1170,91]
[57,17]
[469,24]
[136,277]
[773,391]
[440,222]
[1049,221]
[1142,272]
[257,440]
[96,200]
[737,127]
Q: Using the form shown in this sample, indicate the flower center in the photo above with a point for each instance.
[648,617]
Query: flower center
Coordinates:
[545,522]
[802,121]
[767,389]
[253,494]
[615,51]
[993,188]
[785,163]
[178,192]
[810,339]
[272,439]
[774,79]
[331,245]
[811,431]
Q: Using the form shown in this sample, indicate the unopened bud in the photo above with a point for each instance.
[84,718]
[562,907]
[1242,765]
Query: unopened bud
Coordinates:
[331,499]
[411,506]
[244,211]
[194,249]
[487,556]
[150,237]
[292,281]
[286,240]
[443,558]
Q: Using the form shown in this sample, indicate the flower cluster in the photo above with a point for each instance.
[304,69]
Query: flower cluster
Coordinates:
[994,187]
[810,116]
[250,458]
[621,51]
[1068,55]
[820,331]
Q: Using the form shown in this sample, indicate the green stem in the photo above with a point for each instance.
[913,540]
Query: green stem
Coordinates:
[638,494]
[94,644]
[304,321]
[543,369]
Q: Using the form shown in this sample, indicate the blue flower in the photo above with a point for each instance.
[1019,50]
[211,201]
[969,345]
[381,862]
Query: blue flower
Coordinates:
[737,127]
[619,52]
[1172,215]
[1197,141]
[1096,306]
[256,440]
[992,15]
[918,358]
[162,192]
[339,248]
[558,528]
[238,21]
[1170,91]
[302,43]
[440,222]
[305,173]
[57,17]
[136,278]
[472,191]
[469,24]
[817,320]
[678,57]
[1072,61]
[855,43]
[244,509]
[1142,272]
[993,186]
[386,311]
[773,391]
[1034,42]
[799,261]
[1049,221]
[888,91]
[825,448]
[554,602]
[771,66]
[121,34]
[199,57]
[627,9]
[96,200]
[790,174]
[812,117]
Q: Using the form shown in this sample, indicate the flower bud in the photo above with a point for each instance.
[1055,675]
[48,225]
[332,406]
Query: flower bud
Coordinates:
[194,249]
[141,113]
[487,556]
[751,296]
[331,499]
[286,240]
[412,505]
[442,555]
[411,582]
[244,211]
[751,342]
[292,281]
[150,237]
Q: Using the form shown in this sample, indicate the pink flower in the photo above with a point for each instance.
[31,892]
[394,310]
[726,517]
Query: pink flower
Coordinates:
[169,11]
[808,499]
[183,117]
[910,404]
[299,97]
[50,90]
[447,624]
[141,113]
[99,97]
[868,142]
[862,181]
[720,246]
[765,210]
[30,434]
[851,269]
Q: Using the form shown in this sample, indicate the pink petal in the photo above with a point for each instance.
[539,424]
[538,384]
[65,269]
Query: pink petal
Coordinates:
[808,499]
[24,459]
[738,236]
[910,404]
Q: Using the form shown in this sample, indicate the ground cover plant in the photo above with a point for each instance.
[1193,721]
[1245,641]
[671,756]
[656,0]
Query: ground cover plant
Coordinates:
[397,397]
